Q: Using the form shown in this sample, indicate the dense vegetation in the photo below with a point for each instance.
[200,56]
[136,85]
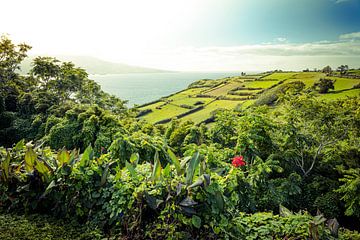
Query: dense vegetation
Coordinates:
[286,167]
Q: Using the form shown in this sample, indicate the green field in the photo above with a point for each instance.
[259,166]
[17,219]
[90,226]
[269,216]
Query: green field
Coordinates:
[214,94]
[167,111]
[204,114]
[223,90]
[344,83]
[280,76]
[344,94]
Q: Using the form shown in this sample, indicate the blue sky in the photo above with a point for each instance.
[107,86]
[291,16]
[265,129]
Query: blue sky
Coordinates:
[257,21]
[192,35]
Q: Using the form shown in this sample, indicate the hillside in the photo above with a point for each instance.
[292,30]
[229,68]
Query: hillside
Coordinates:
[199,101]
[95,65]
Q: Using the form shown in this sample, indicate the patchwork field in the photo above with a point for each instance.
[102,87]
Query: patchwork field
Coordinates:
[204,97]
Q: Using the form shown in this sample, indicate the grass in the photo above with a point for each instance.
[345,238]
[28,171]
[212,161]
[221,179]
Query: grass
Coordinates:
[280,76]
[35,227]
[191,101]
[224,89]
[187,93]
[308,75]
[344,94]
[152,106]
[259,84]
[205,113]
[308,78]
[167,111]
[344,83]
[354,72]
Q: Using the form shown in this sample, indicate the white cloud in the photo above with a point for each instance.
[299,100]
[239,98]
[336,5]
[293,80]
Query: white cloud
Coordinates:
[350,36]
[281,39]
[341,1]
[257,57]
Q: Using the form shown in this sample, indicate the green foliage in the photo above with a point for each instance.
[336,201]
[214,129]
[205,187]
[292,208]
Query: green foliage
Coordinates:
[350,191]
[137,180]
[34,227]
[324,85]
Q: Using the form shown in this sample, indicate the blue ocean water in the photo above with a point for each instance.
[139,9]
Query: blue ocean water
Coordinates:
[140,88]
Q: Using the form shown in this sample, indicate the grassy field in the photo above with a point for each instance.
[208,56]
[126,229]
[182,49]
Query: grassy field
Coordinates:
[204,114]
[344,94]
[224,89]
[218,97]
[344,83]
[280,76]
[260,84]
[167,111]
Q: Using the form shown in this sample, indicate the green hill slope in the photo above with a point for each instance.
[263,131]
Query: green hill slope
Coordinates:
[202,98]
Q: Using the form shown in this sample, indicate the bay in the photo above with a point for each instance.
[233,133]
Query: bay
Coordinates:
[140,88]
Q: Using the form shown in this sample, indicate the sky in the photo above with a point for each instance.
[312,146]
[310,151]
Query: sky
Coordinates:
[191,35]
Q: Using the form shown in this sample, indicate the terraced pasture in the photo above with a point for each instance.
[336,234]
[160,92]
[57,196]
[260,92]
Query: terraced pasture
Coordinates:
[244,91]
[167,111]
[204,114]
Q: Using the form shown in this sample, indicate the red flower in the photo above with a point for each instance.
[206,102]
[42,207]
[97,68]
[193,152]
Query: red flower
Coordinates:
[238,161]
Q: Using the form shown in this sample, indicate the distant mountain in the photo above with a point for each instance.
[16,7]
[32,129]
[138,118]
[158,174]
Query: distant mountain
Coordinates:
[95,66]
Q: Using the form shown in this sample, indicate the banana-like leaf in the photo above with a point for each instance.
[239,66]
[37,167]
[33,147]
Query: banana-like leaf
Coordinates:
[131,169]
[184,162]
[5,166]
[284,212]
[193,164]
[104,175]
[319,219]
[20,145]
[152,201]
[73,157]
[86,156]
[198,182]
[175,161]
[156,174]
[188,202]
[219,201]
[42,169]
[134,159]
[49,187]
[207,179]
[196,221]
[63,157]
[167,170]
[30,158]
[202,166]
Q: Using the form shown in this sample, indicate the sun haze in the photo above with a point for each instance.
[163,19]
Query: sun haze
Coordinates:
[200,35]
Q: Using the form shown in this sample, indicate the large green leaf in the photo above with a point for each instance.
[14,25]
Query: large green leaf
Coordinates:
[43,169]
[196,221]
[49,187]
[198,182]
[152,201]
[5,166]
[131,169]
[134,159]
[220,203]
[63,157]
[30,158]
[86,156]
[193,164]
[175,161]
[20,145]
[156,174]
[284,212]
[104,175]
